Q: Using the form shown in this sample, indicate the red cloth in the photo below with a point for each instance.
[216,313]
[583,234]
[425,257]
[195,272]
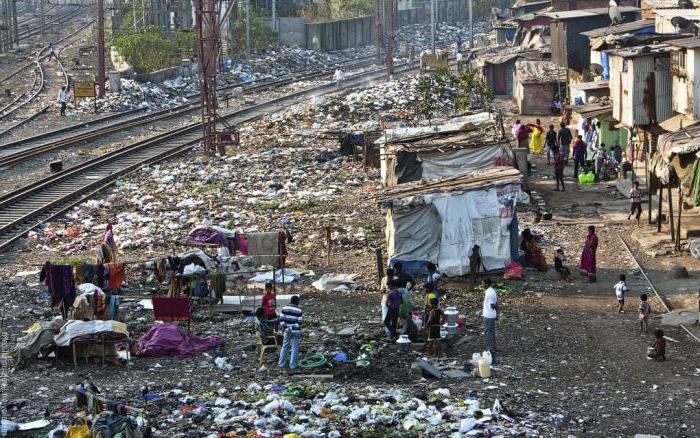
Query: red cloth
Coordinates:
[588,256]
[267,304]
[116,275]
[171,309]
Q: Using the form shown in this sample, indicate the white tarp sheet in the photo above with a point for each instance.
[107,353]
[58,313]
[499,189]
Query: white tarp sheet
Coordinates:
[73,329]
[479,217]
[415,235]
[454,125]
[441,165]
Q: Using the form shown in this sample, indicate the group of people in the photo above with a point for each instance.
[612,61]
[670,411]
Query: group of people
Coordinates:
[533,256]
[657,351]
[284,329]
[398,308]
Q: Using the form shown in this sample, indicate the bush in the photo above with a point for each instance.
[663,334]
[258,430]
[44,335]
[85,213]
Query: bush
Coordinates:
[149,49]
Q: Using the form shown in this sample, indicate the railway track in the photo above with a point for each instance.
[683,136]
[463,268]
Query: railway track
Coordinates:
[37,203]
[21,150]
[36,28]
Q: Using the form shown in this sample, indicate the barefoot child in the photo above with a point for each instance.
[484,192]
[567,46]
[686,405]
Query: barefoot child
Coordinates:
[620,290]
[559,260]
[658,351]
[644,310]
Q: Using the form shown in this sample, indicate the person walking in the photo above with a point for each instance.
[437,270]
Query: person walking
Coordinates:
[564,140]
[559,168]
[579,155]
[291,320]
[635,202]
[550,143]
[62,99]
[490,315]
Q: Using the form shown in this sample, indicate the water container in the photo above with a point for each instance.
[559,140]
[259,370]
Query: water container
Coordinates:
[581,178]
[590,177]
[476,357]
[487,355]
[451,314]
[451,328]
[484,368]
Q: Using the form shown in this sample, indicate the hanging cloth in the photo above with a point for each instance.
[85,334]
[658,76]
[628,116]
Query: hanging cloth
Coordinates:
[218,284]
[116,275]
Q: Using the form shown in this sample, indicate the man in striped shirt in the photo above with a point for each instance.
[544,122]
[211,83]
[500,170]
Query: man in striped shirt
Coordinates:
[291,320]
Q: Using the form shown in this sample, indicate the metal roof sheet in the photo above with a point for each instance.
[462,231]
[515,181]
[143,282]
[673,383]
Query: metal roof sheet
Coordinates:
[636,52]
[688,14]
[591,109]
[590,85]
[620,28]
[688,43]
[582,13]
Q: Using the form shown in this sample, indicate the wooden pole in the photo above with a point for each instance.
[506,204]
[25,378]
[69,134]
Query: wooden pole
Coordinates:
[649,190]
[328,245]
[678,226]
[658,214]
[380,264]
[670,214]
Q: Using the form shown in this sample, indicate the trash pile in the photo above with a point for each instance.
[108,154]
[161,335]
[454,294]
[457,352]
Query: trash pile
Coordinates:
[283,61]
[418,35]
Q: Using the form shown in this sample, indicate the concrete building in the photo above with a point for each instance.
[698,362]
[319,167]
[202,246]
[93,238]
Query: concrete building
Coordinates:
[685,66]
[640,85]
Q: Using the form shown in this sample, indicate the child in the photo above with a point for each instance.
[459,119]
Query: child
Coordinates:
[265,327]
[559,260]
[620,290]
[658,351]
[644,310]
[432,327]
[393,306]
[268,302]
[429,295]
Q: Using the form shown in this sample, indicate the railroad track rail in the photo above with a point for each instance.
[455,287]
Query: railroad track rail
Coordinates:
[36,28]
[21,150]
[27,208]
[39,82]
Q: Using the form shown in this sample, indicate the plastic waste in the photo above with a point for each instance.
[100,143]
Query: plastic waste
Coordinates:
[484,368]
[488,357]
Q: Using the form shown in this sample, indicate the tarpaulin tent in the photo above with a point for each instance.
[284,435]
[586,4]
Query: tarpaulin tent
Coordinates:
[441,222]
[464,144]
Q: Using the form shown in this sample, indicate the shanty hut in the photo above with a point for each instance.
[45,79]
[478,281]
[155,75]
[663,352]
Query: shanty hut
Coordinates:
[665,22]
[685,63]
[640,85]
[464,144]
[570,48]
[497,70]
[440,222]
[584,92]
[537,84]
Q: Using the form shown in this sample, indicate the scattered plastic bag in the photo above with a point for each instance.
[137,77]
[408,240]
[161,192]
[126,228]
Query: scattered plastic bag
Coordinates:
[514,272]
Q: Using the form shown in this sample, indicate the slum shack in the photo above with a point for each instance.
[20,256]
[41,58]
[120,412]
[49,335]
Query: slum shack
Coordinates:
[570,48]
[442,221]
[537,85]
[640,85]
[665,23]
[675,165]
[600,115]
[589,92]
[497,71]
[686,90]
[463,144]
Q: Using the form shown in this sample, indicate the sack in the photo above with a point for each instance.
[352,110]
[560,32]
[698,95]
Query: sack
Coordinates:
[514,272]
[82,431]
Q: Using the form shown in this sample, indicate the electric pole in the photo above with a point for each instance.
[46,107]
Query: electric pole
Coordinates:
[274,15]
[390,38]
[247,27]
[378,28]
[100,48]
[41,13]
[471,26]
[432,25]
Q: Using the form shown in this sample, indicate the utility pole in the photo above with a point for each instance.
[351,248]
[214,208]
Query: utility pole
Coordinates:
[471,26]
[133,13]
[378,28]
[274,15]
[247,27]
[41,14]
[100,48]
[14,21]
[143,14]
[432,25]
[390,38]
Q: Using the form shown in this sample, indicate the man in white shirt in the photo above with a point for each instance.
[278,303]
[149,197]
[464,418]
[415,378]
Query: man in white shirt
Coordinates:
[62,99]
[490,314]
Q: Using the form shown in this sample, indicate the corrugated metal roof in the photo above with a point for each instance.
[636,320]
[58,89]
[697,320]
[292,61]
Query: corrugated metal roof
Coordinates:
[662,4]
[688,14]
[636,52]
[620,28]
[684,141]
[596,85]
[582,13]
[500,59]
[517,4]
[539,72]
[688,43]
[591,109]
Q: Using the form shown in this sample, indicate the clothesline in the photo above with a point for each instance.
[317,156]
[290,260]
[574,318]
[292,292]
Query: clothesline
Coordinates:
[141,262]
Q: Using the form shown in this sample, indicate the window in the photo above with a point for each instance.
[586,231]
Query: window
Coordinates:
[678,63]
[624,65]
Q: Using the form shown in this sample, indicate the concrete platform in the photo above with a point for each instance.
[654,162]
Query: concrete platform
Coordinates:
[675,318]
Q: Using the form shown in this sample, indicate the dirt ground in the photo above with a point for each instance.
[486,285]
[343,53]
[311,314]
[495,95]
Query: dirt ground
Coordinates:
[568,364]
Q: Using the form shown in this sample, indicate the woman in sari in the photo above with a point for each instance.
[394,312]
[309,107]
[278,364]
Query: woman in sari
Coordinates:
[533,254]
[588,256]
